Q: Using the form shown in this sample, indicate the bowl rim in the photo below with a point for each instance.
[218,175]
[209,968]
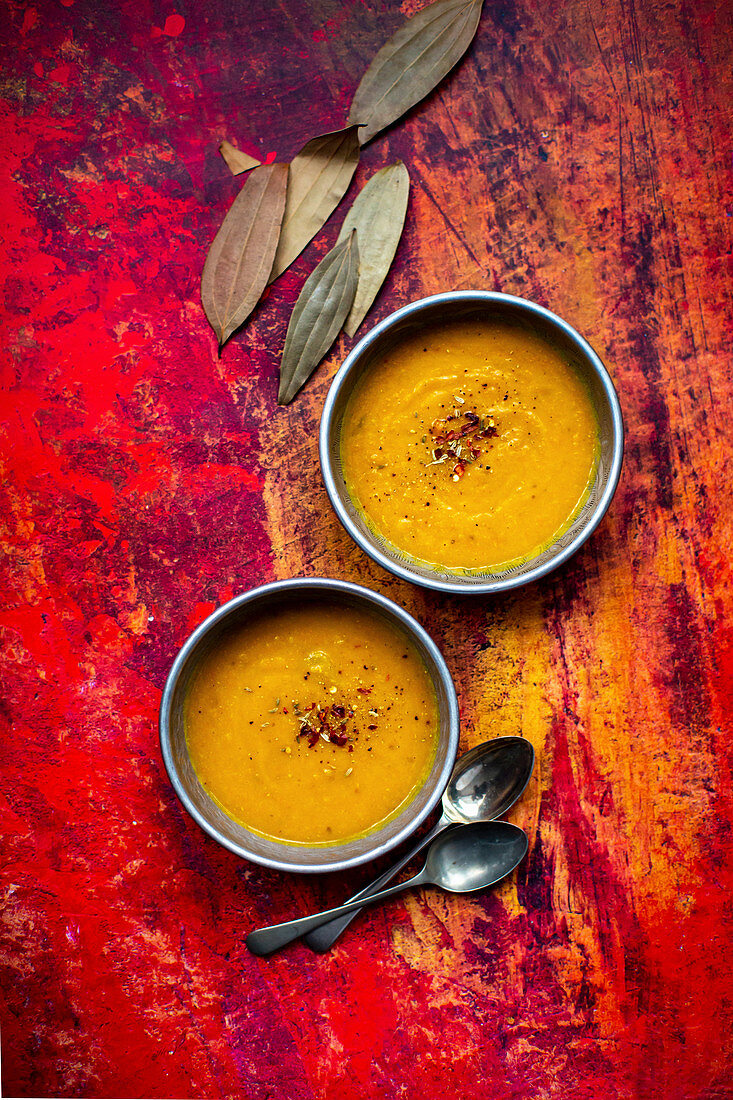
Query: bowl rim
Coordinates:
[328,586]
[341,379]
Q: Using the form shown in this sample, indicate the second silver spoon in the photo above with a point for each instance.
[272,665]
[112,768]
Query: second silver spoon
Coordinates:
[470,857]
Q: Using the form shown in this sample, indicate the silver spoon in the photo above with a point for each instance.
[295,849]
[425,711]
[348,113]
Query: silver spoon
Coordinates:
[469,857]
[485,783]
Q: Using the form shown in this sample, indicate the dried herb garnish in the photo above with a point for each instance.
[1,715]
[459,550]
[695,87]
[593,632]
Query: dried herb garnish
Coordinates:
[319,177]
[237,161]
[378,215]
[413,62]
[457,440]
[241,254]
[319,313]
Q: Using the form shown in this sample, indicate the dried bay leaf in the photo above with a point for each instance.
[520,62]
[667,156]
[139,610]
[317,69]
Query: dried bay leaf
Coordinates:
[378,215]
[412,63]
[319,313]
[319,177]
[237,161]
[240,258]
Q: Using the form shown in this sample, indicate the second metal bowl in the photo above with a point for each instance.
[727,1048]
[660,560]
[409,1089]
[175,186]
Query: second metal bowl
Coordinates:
[469,305]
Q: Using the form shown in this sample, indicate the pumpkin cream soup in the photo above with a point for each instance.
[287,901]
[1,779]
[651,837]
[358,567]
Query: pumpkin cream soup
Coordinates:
[471,446]
[312,724]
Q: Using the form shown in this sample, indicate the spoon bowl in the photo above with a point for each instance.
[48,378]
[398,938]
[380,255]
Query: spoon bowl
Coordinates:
[473,857]
[488,779]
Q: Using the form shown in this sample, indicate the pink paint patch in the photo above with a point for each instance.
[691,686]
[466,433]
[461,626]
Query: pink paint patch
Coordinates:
[174,24]
[30,19]
[270,158]
[67,3]
[38,68]
[200,612]
[60,75]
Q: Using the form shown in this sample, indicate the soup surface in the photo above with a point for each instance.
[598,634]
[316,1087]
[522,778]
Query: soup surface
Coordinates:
[312,724]
[470,446]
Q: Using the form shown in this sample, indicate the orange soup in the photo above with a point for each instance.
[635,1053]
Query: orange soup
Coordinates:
[470,446]
[312,724]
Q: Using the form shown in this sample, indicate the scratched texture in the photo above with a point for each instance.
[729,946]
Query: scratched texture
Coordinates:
[581,156]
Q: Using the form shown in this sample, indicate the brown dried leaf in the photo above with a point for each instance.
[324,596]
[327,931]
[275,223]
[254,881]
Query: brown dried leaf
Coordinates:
[240,257]
[319,313]
[237,161]
[319,176]
[413,62]
[378,215]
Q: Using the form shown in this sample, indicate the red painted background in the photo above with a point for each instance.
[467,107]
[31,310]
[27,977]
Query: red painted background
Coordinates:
[580,156]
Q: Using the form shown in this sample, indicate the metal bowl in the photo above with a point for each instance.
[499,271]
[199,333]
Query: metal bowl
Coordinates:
[235,837]
[468,305]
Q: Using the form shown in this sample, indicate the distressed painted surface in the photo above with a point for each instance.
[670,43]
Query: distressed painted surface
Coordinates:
[580,156]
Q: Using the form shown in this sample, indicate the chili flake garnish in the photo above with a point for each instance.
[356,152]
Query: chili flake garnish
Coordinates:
[327,723]
[458,439]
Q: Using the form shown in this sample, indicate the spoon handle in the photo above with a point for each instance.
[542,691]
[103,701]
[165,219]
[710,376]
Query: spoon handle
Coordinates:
[265,940]
[324,937]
